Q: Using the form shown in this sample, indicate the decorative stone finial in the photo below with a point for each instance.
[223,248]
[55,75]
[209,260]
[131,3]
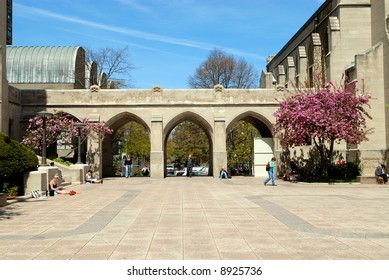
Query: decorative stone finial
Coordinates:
[280,87]
[157,88]
[218,88]
[94,88]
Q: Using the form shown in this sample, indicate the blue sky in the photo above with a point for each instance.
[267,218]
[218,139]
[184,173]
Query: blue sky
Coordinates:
[167,39]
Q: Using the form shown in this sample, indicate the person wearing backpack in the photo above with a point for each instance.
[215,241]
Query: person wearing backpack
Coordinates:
[270,170]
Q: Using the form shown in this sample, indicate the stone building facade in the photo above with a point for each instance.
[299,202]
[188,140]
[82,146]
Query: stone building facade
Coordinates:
[343,37]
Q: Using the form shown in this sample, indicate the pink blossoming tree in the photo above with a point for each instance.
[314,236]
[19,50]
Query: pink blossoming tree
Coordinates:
[61,127]
[326,114]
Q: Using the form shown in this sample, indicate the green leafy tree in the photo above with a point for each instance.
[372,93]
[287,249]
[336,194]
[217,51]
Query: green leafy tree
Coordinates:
[136,142]
[240,141]
[189,138]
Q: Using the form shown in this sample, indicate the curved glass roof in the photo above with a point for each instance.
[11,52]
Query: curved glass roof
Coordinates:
[41,64]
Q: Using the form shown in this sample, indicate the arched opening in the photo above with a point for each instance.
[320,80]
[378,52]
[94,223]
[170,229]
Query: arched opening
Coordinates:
[240,135]
[131,136]
[193,136]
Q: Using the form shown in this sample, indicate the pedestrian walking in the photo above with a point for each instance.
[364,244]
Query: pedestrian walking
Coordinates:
[270,170]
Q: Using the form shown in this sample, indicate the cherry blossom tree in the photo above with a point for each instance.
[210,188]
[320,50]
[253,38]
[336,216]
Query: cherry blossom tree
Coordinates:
[61,128]
[325,114]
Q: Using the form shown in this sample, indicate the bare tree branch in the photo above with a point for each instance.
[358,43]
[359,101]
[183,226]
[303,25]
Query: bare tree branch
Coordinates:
[112,65]
[223,69]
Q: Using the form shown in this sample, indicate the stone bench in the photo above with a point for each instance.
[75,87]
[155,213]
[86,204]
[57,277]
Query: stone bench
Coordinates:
[370,180]
[3,199]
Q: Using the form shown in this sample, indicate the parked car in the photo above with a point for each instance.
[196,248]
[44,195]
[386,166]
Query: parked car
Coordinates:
[181,172]
[169,169]
[196,171]
[200,171]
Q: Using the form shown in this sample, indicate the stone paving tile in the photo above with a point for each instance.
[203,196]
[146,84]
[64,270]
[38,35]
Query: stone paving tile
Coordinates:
[307,254]
[200,218]
[54,256]
[273,255]
[234,255]
[165,255]
[201,255]
[347,254]
[127,255]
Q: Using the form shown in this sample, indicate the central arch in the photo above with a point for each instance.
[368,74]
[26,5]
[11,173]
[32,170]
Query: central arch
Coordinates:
[201,122]
[115,123]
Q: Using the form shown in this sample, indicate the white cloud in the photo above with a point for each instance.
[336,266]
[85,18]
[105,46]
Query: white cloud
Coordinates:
[24,10]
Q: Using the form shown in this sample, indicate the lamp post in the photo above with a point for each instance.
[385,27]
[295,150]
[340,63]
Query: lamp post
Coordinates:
[79,125]
[44,115]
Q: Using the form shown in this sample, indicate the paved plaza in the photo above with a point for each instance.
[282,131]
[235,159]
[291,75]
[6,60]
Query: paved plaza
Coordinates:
[179,218]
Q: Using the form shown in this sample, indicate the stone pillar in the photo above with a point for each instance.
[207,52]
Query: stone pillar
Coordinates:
[156,148]
[35,181]
[302,69]
[317,66]
[49,172]
[281,76]
[291,71]
[4,116]
[94,157]
[219,145]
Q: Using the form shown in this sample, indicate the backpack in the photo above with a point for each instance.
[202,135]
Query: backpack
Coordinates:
[268,166]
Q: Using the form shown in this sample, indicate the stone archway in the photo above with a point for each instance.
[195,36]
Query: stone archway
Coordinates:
[261,123]
[201,122]
[244,161]
[115,123]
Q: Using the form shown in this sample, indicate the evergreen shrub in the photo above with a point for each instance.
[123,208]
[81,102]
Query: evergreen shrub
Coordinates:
[15,160]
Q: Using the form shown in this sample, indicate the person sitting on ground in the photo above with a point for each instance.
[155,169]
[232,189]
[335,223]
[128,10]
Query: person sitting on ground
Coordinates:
[89,178]
[380,172]
[54,187]
[223,173]
[287,173]
[290,172]
[145,171]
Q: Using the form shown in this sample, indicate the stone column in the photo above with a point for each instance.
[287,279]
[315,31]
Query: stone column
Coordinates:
[219,145]
[94,157]
[291,71]
[302,71]
[317,66]
[156,148]
[281,76]
[4,116]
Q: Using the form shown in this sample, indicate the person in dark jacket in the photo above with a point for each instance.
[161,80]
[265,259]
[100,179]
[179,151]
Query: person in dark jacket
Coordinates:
[189,166]
[128,164]
[381,172]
